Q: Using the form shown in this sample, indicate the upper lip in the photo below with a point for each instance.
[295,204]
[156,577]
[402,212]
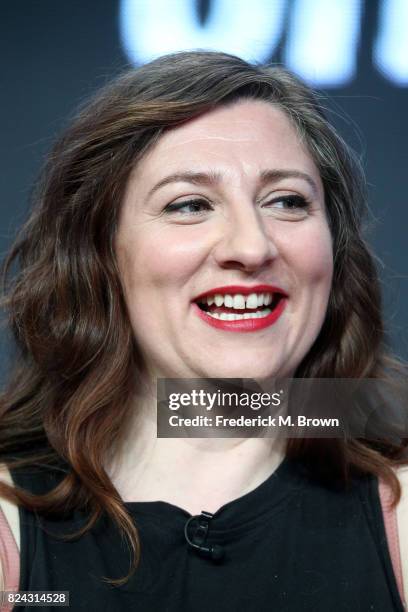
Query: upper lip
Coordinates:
[243,290]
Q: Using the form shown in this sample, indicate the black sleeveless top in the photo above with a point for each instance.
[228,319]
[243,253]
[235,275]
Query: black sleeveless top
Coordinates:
[289,545]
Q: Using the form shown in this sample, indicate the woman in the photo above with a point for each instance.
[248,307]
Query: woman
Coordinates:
[185,192]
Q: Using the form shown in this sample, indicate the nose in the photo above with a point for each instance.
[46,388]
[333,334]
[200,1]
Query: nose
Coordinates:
[244,243]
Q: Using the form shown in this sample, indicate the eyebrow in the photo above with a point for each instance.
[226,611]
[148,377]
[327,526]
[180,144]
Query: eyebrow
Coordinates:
[212,178]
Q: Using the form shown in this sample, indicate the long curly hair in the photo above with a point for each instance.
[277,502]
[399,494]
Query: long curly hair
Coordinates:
[77,363]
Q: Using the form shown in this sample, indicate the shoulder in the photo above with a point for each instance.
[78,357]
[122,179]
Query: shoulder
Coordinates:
[9,537]
[10,510]
[402,474]
[402,521]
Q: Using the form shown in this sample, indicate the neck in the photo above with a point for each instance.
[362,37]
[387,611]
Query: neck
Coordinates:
[192,473]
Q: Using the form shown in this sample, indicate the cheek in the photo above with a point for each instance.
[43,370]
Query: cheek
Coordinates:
[159,261]
[311,260]
[317,271]
[317,262]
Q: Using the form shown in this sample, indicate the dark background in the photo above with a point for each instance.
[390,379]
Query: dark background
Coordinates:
[55,53]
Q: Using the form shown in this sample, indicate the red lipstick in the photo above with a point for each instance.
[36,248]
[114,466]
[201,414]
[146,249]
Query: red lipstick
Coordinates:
[243,325]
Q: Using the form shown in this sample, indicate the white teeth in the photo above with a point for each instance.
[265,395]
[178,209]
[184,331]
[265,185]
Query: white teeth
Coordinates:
[252,301]
[239,301]
[229,316]
[262,313]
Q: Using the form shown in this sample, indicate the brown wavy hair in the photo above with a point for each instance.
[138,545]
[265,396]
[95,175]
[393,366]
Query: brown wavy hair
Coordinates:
[69,397]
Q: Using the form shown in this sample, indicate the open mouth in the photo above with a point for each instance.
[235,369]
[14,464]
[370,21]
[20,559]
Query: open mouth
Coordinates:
[235,307]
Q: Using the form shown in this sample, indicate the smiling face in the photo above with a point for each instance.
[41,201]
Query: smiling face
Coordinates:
[223,247]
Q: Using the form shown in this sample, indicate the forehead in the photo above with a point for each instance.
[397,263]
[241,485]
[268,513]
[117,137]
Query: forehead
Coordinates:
[239,141]
[241,121]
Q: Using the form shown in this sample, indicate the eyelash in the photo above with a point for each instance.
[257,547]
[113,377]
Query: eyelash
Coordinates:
[295,201]
[171,208]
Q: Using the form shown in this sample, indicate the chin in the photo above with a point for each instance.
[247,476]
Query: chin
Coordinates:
[242,371]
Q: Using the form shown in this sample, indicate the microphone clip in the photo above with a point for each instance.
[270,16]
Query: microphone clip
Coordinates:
[198,541]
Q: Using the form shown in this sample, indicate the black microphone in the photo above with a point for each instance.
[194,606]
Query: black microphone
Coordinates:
[214,551]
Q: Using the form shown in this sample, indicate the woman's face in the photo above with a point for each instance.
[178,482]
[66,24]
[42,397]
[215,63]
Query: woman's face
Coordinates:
[223,210]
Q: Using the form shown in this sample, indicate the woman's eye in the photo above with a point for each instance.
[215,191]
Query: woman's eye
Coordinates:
[194,207]
[288,202]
